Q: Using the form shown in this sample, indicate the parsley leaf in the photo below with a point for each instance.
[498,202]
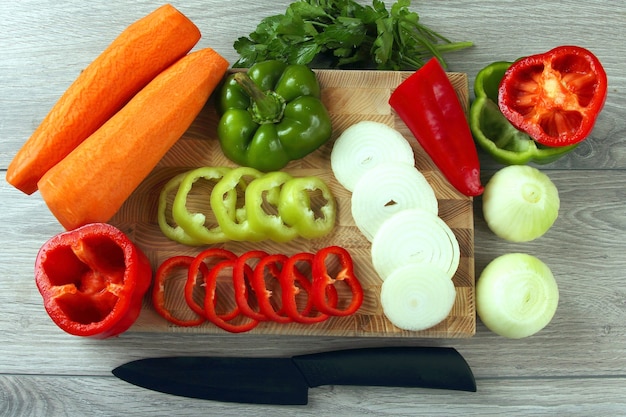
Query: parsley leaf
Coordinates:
[345,34]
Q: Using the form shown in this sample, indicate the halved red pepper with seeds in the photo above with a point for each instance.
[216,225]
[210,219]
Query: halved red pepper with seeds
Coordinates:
[92,280]
[554,97]
[323,279]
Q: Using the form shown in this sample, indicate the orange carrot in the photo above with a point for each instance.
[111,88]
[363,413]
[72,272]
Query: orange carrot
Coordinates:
[131,61]
[93,181]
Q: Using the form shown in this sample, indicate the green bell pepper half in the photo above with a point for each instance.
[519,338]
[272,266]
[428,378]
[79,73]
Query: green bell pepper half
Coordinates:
[271,115]
[495,134]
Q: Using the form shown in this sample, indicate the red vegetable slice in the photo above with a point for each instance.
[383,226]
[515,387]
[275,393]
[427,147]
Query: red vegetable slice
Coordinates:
[273,264]
[224,321]
[556,96]
[243,274]
[292,275]
[158,290]
[322,280]
[200,263]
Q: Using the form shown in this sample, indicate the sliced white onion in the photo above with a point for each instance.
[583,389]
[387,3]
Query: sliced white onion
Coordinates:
[387,189]
[520,203]
[364,145]
[417,296]
[516,295]
[414,235]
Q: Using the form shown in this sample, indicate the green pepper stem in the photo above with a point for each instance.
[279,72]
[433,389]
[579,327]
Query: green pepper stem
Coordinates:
[267,106]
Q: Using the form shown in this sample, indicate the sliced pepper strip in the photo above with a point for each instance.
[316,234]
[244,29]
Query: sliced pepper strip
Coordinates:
[296,210]
[273,264]
[233,219]
[322,279]
[175,233]
[223,321]
[290,275]
[263,192]
[194,223]
[201,264]
[242,280]
[158,290]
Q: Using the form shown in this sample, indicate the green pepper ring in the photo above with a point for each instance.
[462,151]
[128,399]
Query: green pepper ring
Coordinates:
[232,220]
[194,223]
[295,207]
[175,233]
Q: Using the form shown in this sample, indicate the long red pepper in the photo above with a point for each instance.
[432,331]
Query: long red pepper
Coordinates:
[429,106]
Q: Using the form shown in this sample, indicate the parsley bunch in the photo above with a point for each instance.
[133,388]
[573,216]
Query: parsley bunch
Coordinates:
[345,34]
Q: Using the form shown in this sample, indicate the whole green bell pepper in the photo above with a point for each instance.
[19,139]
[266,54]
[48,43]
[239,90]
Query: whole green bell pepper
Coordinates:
[495,134]
[271,115]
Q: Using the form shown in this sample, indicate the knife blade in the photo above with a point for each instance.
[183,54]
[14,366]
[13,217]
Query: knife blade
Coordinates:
[285,381]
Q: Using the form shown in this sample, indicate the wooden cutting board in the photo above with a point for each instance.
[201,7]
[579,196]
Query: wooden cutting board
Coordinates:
[350,96]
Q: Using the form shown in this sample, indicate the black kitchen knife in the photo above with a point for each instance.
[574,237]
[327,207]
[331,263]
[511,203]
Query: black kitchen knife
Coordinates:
[287,380]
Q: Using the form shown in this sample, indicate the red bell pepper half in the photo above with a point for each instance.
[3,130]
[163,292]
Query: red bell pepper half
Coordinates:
[92,280]
[430,107]
[554,97]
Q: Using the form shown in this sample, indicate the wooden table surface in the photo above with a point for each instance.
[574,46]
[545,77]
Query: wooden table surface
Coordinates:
[575,366]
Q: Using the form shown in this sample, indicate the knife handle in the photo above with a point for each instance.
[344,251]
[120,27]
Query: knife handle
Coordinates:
[424,367]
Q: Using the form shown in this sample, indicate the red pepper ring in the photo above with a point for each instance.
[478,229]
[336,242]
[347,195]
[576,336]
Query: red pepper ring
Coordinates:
[322,280]
[222,321]
[270,263]
[290,274]
[192,278]
[158,290]
[241,271]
